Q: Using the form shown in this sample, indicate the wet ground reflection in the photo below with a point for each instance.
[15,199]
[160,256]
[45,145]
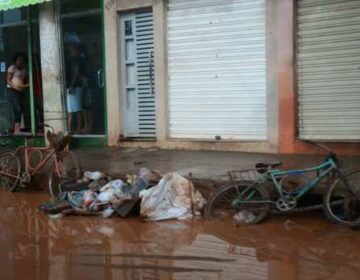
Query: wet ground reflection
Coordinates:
[35,247]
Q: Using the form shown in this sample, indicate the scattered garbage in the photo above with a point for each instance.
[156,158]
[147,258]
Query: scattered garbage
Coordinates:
[173,198]
[244,217]
[96,194]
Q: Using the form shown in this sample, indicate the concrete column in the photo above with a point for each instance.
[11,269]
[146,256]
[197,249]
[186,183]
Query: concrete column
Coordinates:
[51,67]
[271,75]
[160,58]
[286,75]
[113,75]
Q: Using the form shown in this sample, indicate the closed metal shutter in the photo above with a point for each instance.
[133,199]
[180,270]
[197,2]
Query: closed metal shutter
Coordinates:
[217,71]
[328,64]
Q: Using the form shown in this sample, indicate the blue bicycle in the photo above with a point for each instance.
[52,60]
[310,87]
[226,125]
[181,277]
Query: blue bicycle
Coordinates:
[256,193]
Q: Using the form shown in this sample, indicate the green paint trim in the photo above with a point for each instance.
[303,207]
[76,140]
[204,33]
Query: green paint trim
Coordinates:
[30,70]
[12,4]
[88,142]
[105,109]
[16,141]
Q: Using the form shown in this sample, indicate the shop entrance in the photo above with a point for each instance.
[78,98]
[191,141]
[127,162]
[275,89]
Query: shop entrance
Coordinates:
[84,83]
[19,36]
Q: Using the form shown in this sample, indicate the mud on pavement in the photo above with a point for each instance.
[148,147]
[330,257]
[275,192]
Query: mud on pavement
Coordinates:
[36,247]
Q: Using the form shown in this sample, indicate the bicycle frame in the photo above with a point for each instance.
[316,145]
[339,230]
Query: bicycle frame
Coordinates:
[324,169]
[31,171]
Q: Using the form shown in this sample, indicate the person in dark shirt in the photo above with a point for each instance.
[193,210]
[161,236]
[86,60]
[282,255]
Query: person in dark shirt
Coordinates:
[75,85]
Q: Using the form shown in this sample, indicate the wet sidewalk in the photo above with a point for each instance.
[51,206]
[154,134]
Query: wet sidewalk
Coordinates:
[204,166]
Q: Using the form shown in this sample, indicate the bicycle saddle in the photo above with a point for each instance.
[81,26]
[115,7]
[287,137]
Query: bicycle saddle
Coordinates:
[264,166]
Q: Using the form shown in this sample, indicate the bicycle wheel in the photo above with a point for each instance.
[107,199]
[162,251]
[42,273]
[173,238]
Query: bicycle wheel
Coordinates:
[222,204]
[10,168]
[342,201]
[69,168]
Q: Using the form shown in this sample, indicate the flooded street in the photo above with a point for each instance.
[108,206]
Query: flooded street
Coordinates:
[36,247]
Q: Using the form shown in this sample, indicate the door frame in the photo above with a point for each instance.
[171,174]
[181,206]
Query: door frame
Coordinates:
[84,140]
[17,140]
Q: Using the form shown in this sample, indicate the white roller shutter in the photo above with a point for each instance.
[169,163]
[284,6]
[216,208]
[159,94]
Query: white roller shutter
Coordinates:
[217,71]
[328,59]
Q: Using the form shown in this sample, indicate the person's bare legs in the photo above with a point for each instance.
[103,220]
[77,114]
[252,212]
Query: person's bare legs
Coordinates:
[69,121]
[17,128]
[87,121]
[80,121]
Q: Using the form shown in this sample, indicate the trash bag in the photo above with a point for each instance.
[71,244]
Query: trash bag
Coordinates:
[173,198]
[126,206]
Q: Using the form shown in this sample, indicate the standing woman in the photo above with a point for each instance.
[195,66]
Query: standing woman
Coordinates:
[16,85]
[74,83]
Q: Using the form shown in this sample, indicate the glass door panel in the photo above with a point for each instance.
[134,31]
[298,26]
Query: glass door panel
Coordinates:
[83,64]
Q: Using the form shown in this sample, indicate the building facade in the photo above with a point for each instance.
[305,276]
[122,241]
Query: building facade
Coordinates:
[235,75]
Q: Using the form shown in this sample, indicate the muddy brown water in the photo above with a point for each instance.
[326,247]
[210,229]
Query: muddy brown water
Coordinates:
[32,246]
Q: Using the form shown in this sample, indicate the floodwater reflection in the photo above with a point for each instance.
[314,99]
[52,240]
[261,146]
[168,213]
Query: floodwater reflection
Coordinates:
[32,246]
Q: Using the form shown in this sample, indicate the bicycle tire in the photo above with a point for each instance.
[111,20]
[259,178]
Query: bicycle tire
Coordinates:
[338,198]
[66,173]
[6,182]
[222,199]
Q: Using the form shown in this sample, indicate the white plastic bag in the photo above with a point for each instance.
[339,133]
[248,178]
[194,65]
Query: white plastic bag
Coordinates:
[173,198]
[112,190]
[95,175]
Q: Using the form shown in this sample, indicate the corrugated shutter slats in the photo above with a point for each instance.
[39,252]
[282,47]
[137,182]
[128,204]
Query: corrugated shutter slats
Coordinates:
[216,59]
[328,62]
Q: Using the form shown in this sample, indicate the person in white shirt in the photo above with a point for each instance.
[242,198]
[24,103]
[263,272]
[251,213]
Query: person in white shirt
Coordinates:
[16,81]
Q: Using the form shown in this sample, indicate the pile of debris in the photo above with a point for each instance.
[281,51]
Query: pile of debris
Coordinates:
[148,194]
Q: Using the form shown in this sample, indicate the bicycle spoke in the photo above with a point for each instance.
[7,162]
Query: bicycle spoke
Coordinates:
[10,171]
[228,201]
[66,168]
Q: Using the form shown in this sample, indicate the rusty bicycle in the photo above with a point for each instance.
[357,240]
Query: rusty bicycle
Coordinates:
[18,167]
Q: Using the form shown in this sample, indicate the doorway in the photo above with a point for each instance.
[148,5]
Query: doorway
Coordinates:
[137,74]
[19,34]
[84,83]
